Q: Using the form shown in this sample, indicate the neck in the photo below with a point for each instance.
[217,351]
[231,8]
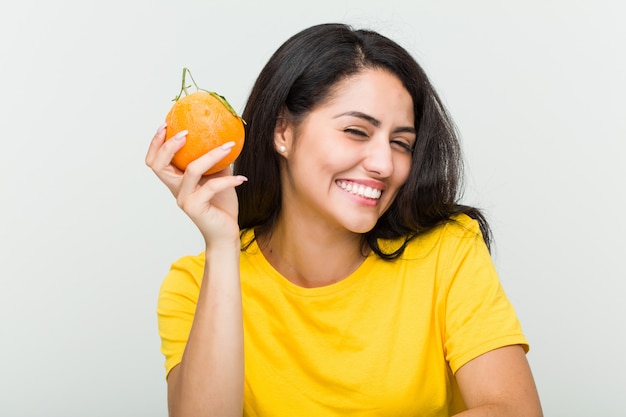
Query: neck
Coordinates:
[312,256]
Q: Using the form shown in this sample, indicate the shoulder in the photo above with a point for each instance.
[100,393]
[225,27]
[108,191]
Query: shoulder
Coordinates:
[189,262]
[456,234]
[460,226]
[184,272]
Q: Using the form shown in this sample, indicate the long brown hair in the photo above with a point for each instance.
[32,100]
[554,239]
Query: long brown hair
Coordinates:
[299,76]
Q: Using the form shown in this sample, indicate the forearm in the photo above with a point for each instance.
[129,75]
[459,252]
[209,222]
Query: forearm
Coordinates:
[499,383]
[494,410]
[209,381]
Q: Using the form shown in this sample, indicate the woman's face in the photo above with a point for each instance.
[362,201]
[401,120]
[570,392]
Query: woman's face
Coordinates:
[346,161]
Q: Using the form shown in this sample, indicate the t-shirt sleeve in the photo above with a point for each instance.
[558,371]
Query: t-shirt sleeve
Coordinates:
[478,315]
[176,307]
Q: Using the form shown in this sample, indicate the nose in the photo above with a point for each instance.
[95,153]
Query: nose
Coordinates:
[378,159]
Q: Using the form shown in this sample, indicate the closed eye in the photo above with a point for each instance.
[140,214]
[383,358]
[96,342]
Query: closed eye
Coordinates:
[356,132]
[399,144]
[402,145]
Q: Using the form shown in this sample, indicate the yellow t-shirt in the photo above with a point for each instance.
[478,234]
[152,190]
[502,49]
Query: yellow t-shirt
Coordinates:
[385,341]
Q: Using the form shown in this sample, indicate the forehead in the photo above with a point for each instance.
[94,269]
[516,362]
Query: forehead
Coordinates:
[372,91]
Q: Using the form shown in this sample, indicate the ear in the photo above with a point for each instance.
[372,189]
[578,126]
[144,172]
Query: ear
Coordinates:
[283,134]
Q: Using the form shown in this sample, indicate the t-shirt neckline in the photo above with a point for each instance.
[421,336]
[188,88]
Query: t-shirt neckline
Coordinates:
[357,275]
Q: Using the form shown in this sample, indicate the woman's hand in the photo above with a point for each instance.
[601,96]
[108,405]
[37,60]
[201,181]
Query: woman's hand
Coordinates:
[210,201]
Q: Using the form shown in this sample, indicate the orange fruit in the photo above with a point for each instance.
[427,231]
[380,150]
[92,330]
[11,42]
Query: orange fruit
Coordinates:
[210,122]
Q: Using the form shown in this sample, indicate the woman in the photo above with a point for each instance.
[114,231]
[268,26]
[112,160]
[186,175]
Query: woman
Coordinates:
[343,278]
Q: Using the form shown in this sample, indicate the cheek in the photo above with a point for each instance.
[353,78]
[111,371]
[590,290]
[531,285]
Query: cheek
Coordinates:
[402,169]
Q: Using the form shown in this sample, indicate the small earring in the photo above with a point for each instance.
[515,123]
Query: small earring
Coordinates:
[282,148]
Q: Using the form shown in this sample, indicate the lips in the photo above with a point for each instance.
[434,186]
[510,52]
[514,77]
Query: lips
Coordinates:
[360,189]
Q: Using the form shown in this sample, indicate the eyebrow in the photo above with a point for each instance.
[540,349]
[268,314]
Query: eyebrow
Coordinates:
[375,122]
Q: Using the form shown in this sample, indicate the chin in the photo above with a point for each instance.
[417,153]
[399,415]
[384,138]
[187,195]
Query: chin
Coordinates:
[361,228]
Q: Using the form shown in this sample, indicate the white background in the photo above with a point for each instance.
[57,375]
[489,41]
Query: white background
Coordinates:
[87,232]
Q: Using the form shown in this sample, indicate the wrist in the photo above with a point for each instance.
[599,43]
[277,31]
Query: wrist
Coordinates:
[222,247]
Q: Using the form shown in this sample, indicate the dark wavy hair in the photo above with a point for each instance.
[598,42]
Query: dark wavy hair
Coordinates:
[299,76]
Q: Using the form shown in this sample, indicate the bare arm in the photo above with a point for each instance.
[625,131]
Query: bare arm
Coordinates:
[209,379]
[499,383]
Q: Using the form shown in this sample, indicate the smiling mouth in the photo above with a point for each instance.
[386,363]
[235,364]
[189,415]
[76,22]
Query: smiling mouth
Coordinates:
[360,190]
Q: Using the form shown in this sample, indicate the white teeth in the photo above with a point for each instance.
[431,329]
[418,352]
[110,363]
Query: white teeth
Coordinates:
[360,190]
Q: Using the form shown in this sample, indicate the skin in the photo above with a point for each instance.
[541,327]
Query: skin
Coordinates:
[209,380]
[361,135]
[499,383]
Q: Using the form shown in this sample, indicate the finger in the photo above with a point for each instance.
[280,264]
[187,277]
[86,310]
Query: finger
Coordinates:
[223,173]
[209,159]
[162,157]
[155,143]
[204,194]
[196,169]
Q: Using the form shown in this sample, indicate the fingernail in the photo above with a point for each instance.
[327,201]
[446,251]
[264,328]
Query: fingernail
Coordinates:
[242,178]
[180,135]
[228,146]
[160,129]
